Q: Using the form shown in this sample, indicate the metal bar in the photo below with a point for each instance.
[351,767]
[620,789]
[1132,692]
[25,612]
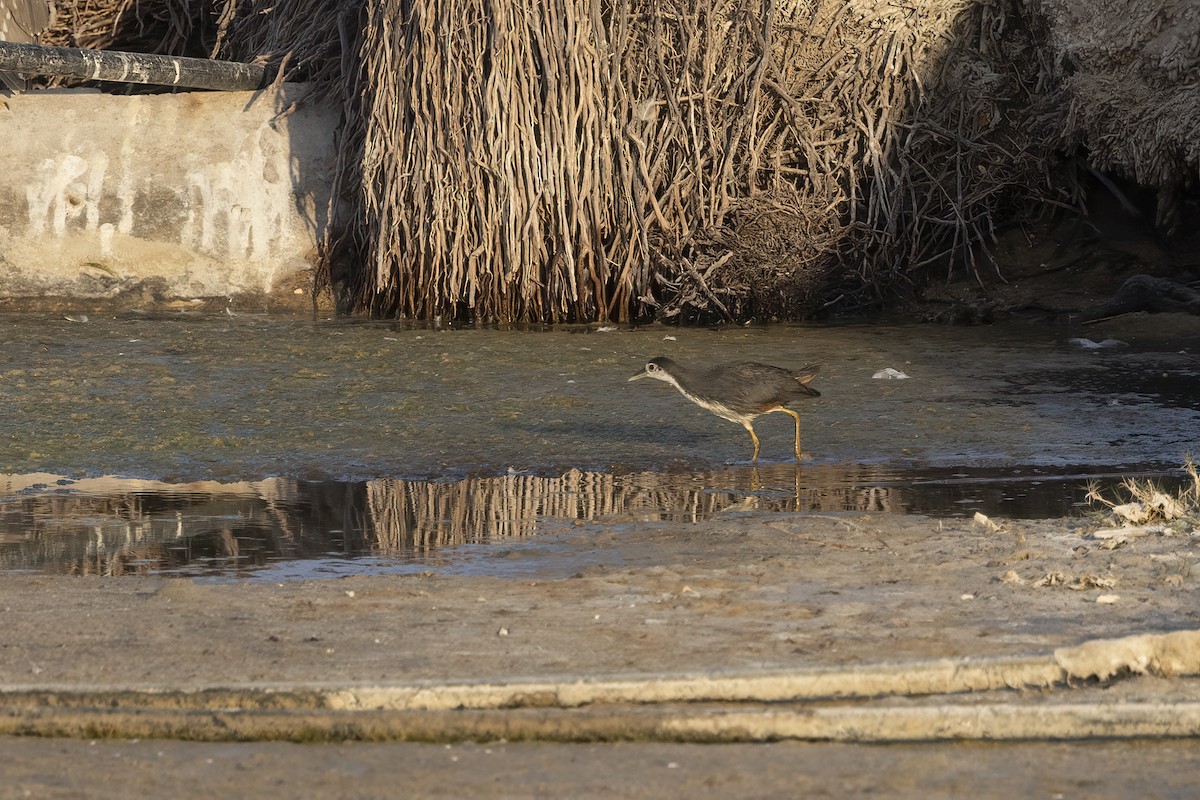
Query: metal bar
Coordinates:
[112,65]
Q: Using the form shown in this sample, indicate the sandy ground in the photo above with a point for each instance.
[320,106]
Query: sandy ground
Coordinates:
[742,593]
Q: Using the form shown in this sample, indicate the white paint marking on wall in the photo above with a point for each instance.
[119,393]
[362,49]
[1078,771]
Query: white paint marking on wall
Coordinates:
[47,196]
[239,209]
[206,171]
[127,168]
[106,239]
[95,188]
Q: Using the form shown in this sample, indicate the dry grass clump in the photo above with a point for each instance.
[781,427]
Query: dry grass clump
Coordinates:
[1129,71]
[1145,502]
[175,27]
[777,255]
[618,159]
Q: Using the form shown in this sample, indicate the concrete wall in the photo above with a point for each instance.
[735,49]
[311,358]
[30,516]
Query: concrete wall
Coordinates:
[201,194]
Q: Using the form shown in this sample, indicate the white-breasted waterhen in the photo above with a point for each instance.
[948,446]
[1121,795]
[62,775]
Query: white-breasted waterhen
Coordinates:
[738,392]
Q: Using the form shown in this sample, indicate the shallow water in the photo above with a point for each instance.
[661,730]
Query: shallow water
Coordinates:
[279,528]
[336,447]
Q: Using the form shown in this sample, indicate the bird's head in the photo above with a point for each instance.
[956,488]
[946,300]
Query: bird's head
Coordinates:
[658,368]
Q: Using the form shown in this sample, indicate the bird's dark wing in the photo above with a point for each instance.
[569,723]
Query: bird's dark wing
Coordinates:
[750,387]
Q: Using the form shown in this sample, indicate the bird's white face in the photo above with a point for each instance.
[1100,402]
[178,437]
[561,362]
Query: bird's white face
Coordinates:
[652,370]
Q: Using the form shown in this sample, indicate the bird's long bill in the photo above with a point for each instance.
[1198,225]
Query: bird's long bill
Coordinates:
[642,374]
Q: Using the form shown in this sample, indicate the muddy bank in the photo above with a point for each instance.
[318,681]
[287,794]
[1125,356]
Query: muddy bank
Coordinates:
[739,592]
[742,592]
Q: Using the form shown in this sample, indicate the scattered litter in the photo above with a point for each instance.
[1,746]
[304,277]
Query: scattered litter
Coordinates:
[967,596]
[1108,599]
[606,328]
[1157,506]
[350,593]
[1080,584]
[502,632]
[986,522]
[1088,581]
[669,338]
[1054,578]
[1088,344]
[1125,534]
[1134,513]
[890,374]
[77,318]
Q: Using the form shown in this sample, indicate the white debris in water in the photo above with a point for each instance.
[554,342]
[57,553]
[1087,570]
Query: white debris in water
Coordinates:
[669,338]
[890,374]
[1088,344]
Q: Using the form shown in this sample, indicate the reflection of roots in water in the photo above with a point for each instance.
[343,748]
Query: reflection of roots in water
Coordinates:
[113,527]
[422,515]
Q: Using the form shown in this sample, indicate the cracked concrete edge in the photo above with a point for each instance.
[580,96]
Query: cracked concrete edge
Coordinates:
[946,676]
[672,723]
[1169,654]
[935,677]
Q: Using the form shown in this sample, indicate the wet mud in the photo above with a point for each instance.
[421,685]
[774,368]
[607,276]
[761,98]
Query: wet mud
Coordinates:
[189,398]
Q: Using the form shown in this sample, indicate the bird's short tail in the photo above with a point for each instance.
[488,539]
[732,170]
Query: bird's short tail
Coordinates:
[803,376]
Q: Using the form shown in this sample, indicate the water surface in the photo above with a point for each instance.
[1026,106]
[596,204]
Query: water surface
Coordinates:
[201,444]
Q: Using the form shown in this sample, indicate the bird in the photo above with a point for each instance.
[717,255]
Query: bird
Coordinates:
[738,392]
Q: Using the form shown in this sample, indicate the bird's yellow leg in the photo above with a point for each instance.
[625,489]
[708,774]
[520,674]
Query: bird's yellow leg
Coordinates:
[753,436]
[796,416]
